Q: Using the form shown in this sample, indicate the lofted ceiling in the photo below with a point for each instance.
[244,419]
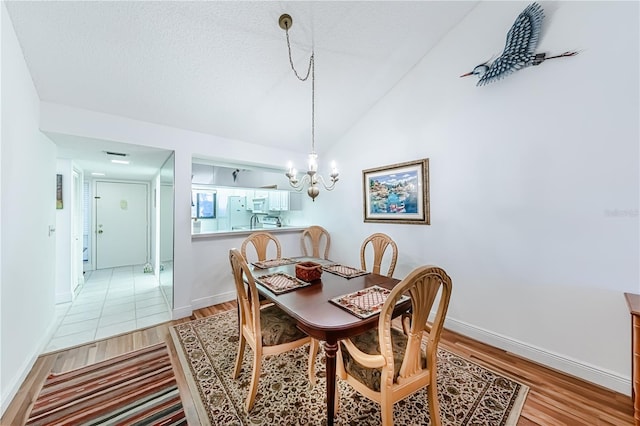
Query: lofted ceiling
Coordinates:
[221,67]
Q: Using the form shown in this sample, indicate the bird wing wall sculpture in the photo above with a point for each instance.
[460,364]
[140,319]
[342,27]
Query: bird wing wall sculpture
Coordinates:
[519,50]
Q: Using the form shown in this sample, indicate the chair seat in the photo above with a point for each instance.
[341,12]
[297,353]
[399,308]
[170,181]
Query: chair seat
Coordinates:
[277,327]
[368,343]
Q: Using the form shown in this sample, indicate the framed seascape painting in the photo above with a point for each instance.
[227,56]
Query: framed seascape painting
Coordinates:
[398,193]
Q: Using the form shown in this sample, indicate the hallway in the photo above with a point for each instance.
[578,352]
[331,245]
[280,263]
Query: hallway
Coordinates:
[112,301]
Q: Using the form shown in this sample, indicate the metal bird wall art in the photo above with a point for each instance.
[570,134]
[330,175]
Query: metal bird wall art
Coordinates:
[519,50]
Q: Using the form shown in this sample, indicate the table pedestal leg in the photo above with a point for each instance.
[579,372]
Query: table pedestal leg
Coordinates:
[330,349]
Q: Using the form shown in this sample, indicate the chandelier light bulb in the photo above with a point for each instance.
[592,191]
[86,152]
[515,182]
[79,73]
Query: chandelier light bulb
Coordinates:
[313,162]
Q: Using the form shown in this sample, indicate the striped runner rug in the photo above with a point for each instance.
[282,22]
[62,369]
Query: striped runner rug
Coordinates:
[135,388]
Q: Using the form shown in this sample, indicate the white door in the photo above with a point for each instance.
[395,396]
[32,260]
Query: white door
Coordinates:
[121,224]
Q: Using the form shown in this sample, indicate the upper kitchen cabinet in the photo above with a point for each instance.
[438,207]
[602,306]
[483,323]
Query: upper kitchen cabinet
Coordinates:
[282,200]
[274,200]
[278,201]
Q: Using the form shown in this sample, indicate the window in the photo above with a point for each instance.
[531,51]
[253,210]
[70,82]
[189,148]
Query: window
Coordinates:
[203,204]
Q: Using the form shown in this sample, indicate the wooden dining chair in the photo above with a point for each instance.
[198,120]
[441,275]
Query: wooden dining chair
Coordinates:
[387,364]
[379,243]
[312,239]
[267,329]
[261,243]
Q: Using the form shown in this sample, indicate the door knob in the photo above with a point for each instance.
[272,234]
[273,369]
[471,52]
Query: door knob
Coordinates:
[100,231]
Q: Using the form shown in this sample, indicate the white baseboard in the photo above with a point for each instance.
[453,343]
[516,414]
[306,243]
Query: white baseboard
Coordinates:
[186,311]
[181,312]
[64,297]
[559,362]
[213,300]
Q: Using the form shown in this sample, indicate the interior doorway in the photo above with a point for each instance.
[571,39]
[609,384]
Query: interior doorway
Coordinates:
[116,299]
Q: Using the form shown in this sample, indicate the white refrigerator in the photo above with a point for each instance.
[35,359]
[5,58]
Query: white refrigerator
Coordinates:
[238,213]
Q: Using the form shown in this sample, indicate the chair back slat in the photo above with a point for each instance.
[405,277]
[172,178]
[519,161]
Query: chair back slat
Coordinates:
[260,242]
[316,236]
[379,243]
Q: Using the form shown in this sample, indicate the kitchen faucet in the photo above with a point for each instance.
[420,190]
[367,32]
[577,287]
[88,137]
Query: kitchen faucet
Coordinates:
[254,221]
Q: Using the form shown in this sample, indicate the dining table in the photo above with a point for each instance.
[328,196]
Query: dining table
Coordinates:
[321,319]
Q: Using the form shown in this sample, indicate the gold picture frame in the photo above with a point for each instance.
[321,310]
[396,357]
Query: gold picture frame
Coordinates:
[397,193]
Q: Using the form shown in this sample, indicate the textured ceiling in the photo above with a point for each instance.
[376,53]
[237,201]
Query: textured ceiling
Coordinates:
[221,67]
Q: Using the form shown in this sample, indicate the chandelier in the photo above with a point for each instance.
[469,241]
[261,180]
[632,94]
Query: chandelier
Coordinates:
[311,178]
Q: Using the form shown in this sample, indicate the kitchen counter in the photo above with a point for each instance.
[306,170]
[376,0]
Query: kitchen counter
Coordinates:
[246,231]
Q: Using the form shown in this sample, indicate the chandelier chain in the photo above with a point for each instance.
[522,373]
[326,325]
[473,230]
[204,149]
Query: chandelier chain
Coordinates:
[311,178]
[311,69]
[291,61]
[313,104]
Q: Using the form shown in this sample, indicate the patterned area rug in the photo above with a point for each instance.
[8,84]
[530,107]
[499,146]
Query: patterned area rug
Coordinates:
[134,388]
[468,394]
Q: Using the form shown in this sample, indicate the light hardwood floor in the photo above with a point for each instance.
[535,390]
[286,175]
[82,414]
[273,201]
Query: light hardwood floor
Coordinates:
[554,398]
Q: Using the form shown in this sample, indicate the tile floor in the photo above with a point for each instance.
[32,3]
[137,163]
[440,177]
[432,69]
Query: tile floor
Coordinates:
[111,302]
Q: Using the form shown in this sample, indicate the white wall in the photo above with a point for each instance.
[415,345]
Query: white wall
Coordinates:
[534,184]
[210,266]
[28,198]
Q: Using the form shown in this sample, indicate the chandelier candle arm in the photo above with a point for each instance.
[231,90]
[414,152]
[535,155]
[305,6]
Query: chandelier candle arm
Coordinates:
[311,178]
